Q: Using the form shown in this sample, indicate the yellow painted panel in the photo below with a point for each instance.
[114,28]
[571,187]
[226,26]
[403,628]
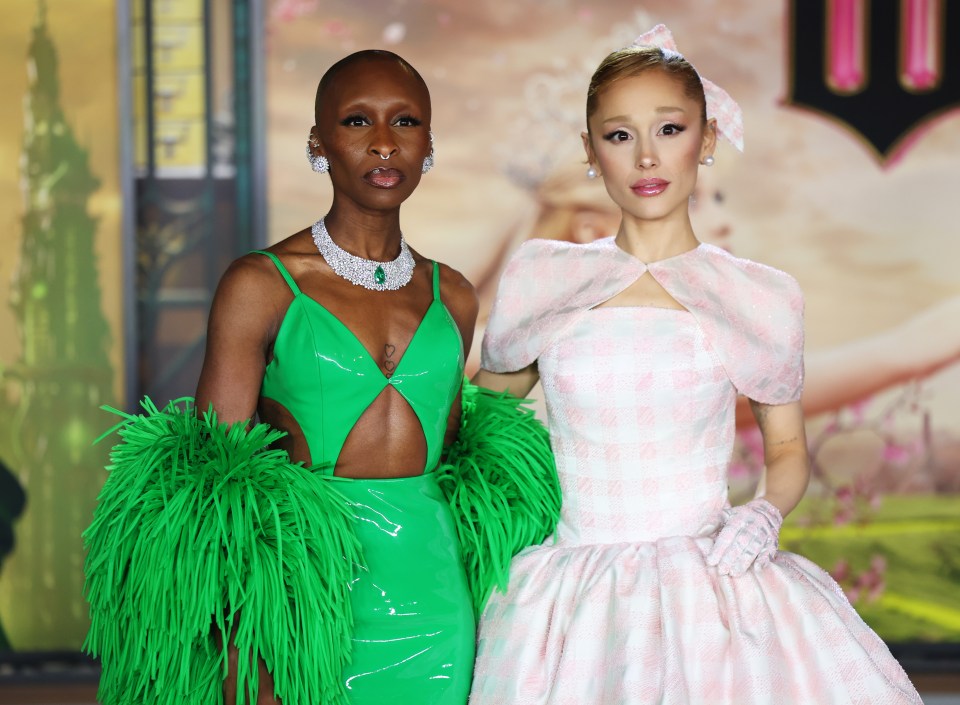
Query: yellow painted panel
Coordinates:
[180,143]
[178,96]
[178,47]
[173,10]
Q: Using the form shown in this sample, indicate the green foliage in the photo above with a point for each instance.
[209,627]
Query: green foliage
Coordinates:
[919,538]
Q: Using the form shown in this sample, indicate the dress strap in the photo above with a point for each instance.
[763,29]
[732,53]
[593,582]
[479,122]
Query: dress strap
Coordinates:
[283,271]
[436,281]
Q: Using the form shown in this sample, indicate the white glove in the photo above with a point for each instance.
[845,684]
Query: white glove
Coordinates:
[749,537]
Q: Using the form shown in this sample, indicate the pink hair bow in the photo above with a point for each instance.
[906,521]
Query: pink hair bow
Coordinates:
[719,103]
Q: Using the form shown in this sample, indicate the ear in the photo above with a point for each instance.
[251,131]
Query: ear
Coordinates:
[588,149]
[709,139]
[314,142]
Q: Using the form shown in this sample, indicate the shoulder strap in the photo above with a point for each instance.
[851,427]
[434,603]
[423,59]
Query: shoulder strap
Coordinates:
[436,281]
[283,271]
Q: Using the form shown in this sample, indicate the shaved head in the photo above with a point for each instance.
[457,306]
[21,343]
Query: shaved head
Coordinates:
[359,57]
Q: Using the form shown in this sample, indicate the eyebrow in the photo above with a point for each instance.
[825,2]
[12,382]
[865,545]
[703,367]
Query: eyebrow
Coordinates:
[664,109]
[363,104]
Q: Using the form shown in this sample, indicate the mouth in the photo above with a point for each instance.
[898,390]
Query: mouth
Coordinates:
[649,187]
[384,177]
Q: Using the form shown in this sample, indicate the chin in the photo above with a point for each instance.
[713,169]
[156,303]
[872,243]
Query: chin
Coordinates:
[380,199]
[652,212]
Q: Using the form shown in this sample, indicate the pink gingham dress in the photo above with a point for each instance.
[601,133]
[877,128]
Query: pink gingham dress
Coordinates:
[620,608]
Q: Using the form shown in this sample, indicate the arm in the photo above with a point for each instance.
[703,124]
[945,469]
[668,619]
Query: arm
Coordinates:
[461,300]
[518,383]
[751,531]
[916,348]
[243,320]
[785,453]
[244,317]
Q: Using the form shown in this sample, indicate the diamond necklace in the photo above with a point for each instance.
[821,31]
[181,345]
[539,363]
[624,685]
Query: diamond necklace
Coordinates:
[368,273]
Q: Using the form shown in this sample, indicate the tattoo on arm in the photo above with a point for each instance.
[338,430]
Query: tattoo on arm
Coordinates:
[389,364]
[760,412]
[785,442]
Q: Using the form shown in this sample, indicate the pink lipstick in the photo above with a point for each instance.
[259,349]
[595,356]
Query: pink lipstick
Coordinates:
[384,177]
[649,187]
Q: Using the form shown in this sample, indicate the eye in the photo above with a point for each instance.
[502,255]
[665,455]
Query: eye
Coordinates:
[671,129]
[617,136]
[406,121]
[355,121]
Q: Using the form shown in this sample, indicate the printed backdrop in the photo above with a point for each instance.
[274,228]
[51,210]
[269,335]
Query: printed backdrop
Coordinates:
[871,240]
[61,328]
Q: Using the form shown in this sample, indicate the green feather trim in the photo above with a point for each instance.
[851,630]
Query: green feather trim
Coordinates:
[501,481]
[202,525]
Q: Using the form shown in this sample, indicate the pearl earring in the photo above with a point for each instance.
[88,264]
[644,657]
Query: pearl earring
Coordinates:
[592,173]
[708,160]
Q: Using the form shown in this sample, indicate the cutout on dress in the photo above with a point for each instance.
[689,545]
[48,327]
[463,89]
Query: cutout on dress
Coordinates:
[388,413]
[279,417]
[646,287]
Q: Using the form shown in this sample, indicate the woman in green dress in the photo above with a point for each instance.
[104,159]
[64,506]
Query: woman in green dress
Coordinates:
[353,345]
[323,554]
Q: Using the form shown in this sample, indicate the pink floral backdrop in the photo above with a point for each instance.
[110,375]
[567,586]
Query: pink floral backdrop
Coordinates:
[871,240]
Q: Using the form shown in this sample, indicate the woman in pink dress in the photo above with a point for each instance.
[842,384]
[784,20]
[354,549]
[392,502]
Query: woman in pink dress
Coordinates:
[653,589]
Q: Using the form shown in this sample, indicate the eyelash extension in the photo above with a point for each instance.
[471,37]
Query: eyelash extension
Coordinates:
[678,128]
[350,118]
[416,121]
[610,135]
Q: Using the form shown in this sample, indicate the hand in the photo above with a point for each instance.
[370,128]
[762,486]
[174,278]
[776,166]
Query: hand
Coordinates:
[749,537]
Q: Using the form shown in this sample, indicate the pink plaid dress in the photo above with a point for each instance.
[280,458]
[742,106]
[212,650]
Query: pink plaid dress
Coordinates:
[621,608]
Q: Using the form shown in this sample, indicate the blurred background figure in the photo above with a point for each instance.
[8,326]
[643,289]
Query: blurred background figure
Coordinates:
[12,501]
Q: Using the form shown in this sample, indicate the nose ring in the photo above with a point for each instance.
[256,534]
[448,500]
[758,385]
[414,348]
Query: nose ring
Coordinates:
[384,158]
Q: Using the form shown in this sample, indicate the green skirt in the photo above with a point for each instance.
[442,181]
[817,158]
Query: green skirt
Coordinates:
[413,620]
[351,591]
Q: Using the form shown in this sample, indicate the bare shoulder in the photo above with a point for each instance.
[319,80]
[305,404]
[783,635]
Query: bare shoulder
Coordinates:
[255,274]
[458,294]
[251,276]
[300,243]
[251,292]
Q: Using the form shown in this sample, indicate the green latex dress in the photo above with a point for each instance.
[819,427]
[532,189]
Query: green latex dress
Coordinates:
[413,622]
[351,591]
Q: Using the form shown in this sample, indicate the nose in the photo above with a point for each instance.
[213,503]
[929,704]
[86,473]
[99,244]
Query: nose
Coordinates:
[383,144]
[384,152]
[646,155]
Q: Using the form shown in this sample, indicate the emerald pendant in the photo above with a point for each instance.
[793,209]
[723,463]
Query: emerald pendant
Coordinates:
[370,274]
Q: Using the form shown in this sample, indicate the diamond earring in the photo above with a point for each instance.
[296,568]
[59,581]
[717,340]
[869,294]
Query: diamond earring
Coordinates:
[708,160]
[318,162]
[428,160]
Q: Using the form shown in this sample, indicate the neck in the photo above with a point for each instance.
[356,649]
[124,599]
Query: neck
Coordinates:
[369,234]
[654,240]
